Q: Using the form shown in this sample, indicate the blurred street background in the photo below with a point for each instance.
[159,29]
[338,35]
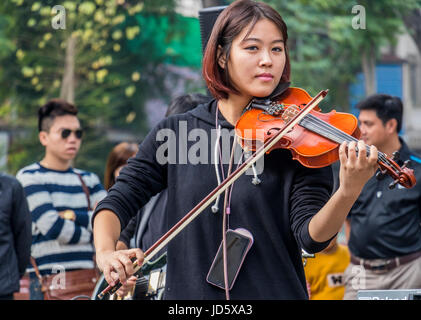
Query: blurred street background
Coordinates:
[122,61]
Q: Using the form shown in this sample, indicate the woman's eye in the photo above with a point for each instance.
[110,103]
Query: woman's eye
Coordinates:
[278,49]
[251,48]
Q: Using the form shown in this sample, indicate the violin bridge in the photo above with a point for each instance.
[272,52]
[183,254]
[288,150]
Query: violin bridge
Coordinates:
[290,113]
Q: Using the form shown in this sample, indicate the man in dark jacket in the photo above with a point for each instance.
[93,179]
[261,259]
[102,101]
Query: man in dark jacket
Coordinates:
[15,235]
[384,225]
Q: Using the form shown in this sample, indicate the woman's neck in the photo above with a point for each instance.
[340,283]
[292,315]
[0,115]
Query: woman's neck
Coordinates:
[232,108]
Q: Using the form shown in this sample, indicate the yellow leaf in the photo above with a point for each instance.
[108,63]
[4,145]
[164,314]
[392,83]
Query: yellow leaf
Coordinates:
[27,72]
[36,6]
[31,22]
[136,76]
[20,54]
[69,5]
[130,117]
[45,11]
[99,15]
[47,36]
[34,81]
[38,69]
[130,91]
[106,100]
[101,74]
[118,19]
[117,35]
[87,8]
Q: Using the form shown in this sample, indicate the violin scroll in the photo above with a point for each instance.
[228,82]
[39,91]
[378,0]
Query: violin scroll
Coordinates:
[402,175]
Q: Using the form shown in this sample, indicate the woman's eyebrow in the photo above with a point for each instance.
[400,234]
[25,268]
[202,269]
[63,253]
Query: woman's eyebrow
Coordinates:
[259,40]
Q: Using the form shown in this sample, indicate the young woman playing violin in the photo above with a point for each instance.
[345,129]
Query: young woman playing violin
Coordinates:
[290,208]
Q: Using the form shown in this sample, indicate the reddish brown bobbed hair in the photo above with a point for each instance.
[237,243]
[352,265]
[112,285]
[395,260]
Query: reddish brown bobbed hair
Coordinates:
[118,157]
[230,23]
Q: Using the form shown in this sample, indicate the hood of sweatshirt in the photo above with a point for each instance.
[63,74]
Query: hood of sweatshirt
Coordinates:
[206,112]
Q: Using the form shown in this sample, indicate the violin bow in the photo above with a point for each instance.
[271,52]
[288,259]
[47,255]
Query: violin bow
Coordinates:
[202,205]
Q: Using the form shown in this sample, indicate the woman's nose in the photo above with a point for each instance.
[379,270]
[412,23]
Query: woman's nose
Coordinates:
[265,59]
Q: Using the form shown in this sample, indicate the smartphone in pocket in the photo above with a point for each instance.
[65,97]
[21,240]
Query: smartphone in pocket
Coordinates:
[239,242]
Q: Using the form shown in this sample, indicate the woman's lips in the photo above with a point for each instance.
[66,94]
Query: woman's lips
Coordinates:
[265,77]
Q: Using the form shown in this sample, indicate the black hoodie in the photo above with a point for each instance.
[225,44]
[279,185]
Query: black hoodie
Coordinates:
[15,234]
[277,211]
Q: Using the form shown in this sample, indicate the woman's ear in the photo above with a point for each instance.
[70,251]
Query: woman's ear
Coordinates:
[221,58]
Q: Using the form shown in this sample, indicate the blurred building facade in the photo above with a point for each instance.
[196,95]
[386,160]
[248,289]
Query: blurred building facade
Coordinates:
[398,73]
[407,50]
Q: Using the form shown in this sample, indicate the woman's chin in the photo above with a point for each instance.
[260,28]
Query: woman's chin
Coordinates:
[262,93]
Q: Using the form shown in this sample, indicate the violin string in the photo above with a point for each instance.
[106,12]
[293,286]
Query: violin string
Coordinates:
[345,137]
[341,136]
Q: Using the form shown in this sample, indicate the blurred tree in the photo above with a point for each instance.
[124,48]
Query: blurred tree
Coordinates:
[332,40]
[213,3]
[103,60]
[374,25]
[412,21]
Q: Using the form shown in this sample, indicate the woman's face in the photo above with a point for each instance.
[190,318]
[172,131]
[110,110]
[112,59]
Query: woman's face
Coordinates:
[256,63]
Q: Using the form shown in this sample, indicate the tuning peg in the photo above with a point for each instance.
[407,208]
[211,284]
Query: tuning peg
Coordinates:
[381,174]
[396,156]
[393,184]
[406,164]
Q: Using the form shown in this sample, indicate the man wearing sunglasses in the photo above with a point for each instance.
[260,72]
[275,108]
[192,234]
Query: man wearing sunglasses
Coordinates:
[61,198]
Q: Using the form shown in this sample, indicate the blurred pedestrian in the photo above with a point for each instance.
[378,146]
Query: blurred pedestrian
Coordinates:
[61,200]
[15,235]
[116,160]
[384,225]
[324,272]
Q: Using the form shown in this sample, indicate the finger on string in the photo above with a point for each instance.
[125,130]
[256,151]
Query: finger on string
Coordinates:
[362,152]
[374,154]
[342,152]
[352,152]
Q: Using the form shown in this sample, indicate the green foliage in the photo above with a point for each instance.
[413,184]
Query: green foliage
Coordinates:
[119,44]
[326,50]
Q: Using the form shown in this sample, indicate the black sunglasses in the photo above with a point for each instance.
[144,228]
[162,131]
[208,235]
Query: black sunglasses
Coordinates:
[65,133]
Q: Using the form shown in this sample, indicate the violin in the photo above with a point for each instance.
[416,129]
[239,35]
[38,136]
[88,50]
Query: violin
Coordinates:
[315,141]
[294,122]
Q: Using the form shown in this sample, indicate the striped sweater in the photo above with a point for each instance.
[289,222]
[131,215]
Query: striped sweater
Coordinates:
[59,244]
